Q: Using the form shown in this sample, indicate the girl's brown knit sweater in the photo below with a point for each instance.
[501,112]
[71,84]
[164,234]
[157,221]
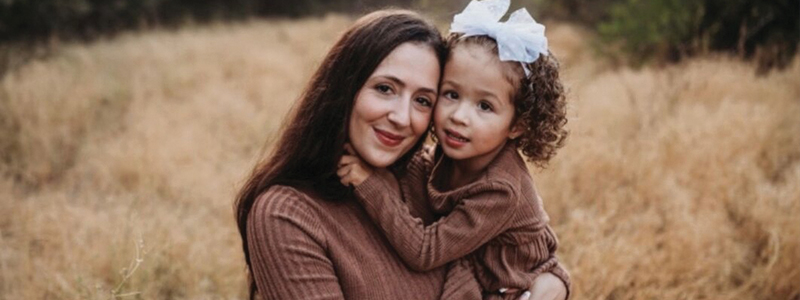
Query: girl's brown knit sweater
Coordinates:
[497,223]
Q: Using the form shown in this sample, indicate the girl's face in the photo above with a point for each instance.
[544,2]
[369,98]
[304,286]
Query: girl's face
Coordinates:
[474,112]
[393,108]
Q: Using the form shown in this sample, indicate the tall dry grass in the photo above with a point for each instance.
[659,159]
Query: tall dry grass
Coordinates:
[676,183]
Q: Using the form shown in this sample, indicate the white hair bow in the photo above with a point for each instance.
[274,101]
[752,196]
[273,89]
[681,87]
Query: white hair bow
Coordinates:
[518,39]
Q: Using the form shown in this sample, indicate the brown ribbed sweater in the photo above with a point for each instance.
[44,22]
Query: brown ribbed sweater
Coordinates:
[303,247]
[496,223]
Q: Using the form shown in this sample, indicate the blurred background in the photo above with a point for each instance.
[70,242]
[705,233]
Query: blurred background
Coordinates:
[127,126]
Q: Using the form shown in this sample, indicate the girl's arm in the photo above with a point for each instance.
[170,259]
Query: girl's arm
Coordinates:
[287,253]
[460,282]
[471,224]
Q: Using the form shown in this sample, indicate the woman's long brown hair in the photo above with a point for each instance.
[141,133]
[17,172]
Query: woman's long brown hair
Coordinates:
[313,138]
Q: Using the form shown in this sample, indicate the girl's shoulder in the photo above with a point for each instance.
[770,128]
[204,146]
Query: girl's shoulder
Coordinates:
[509,166]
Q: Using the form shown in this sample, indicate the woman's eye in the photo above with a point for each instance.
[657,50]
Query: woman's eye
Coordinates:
[424,102]
[485,106]
[384,89]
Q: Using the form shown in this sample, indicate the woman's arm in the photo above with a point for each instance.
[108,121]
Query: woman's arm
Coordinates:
[547,287]
[286,246]
[471,224]
[547,244]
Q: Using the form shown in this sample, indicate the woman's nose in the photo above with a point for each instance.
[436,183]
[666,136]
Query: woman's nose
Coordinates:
[400,114]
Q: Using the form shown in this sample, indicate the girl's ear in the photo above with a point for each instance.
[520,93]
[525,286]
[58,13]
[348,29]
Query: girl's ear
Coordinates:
[516,130]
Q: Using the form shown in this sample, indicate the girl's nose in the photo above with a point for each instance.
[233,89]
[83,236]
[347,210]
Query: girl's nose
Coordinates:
[459,115]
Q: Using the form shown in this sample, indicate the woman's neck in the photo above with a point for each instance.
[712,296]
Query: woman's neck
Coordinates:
[468,170]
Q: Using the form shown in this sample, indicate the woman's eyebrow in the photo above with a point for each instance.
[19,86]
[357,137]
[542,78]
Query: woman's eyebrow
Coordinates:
[391,78]
[399,82]
[428,90]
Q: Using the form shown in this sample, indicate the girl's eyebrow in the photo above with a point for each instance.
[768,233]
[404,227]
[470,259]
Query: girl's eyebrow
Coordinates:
[451,82]
[488,95]
[483,93]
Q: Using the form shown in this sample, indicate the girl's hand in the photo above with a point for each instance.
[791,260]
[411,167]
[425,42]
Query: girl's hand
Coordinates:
[352,170]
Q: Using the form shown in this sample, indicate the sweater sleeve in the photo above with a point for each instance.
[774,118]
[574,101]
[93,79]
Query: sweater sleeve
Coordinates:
[557,268]
[562,274]
[472,223]
[460,282]
[287,252]
[546,245]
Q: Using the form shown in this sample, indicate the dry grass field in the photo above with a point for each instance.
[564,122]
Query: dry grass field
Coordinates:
[120,160]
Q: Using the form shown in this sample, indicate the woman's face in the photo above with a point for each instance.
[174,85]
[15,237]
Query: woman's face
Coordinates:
[393,108]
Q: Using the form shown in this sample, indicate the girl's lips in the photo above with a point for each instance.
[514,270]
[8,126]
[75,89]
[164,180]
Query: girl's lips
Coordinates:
[388,138]
[454,139]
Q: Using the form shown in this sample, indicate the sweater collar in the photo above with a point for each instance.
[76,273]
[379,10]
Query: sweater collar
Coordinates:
[506,166]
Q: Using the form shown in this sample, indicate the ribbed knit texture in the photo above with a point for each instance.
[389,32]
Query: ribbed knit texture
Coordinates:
[497,223]
[303,247]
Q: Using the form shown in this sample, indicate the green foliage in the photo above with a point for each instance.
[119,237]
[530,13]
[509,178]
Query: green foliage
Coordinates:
[641,31]
[35,19]
[668,30]
[661,28]
[586,12]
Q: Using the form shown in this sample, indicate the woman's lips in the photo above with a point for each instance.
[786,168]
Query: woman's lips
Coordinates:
[388,138]
[454,139]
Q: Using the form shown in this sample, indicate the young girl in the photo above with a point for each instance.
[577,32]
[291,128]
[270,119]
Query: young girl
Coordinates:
[492,225]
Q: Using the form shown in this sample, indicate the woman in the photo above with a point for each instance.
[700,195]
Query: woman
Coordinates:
[304,236]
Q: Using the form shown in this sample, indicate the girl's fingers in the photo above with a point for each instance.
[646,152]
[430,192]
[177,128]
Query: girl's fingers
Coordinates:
[347,159]
[525,296]
[344,171]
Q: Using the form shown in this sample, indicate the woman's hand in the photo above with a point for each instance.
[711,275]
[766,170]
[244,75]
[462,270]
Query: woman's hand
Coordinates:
[352,170]
[546,287]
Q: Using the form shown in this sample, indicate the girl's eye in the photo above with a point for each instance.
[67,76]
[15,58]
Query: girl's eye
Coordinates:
[485,106]
[451,94]
[384,89]
[424,102]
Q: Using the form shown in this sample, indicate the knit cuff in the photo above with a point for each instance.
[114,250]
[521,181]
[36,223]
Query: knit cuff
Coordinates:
[374,188]
[562,274]
[369,188]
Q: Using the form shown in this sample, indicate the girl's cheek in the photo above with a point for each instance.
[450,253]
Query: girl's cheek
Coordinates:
[421,122]
[437,117]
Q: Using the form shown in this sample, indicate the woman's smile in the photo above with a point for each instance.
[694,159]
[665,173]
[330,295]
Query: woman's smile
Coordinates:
[387,138]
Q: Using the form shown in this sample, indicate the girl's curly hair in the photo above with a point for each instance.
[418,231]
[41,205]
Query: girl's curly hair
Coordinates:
[539,101]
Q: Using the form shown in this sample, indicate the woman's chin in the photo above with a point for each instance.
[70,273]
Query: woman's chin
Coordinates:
[380,160]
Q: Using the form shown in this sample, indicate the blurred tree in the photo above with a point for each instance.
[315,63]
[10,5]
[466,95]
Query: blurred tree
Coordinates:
[36,19]
[586,12]
[642,30]
[768,31]
[654,28]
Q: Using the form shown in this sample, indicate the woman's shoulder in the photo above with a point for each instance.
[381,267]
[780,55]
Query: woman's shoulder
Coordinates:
[285,201]
[307,204]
